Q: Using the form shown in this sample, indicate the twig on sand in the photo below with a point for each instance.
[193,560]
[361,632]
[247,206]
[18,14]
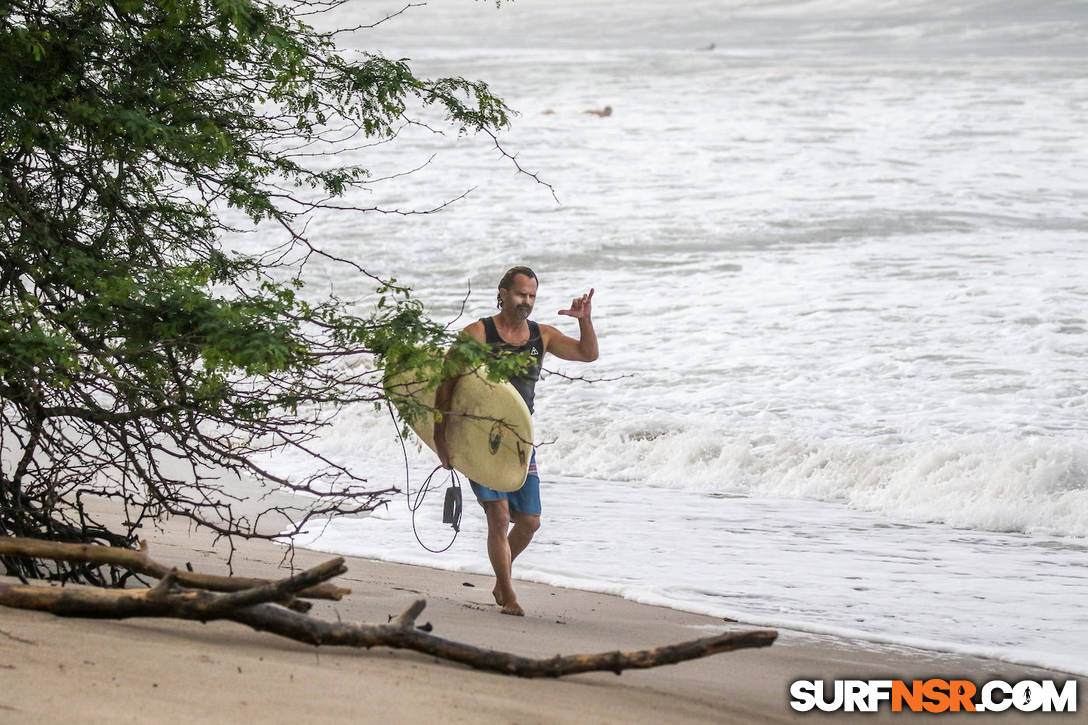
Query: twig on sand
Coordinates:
[258,604]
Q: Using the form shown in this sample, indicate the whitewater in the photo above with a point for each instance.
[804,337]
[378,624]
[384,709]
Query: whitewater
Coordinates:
[839,252]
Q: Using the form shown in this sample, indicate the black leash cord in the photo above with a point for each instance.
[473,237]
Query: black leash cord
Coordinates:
[422,493]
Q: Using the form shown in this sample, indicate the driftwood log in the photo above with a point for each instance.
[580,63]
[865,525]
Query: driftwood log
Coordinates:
[256,605]
[140,562]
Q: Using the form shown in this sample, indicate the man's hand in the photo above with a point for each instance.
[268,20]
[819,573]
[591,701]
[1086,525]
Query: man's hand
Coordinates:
[442,399]
[443,450]
[584,348]
[580,307]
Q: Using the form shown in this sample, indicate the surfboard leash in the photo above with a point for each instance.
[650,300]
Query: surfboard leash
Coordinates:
[451,508]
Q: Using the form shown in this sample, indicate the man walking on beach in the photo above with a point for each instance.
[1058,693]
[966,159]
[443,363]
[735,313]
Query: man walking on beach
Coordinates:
[512,330]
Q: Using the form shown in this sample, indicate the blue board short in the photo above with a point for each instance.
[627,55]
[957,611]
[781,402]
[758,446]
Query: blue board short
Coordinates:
[526,500]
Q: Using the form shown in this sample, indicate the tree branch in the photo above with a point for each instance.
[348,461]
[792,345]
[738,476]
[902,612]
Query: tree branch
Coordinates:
[140,563]
[166,600]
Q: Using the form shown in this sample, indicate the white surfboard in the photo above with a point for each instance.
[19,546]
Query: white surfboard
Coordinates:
[489,429]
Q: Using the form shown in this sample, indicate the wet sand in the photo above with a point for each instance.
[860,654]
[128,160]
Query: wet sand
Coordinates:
[152,670]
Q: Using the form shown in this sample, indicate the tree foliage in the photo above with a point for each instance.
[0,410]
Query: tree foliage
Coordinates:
[139,359]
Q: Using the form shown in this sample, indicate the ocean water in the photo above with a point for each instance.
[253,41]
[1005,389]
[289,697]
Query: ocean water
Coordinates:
[840,254]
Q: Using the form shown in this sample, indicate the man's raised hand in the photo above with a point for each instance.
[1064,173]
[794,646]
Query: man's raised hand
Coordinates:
[580,307]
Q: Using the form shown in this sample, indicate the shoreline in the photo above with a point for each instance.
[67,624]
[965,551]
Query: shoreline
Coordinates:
[53,668]
[970,599]
[861,638]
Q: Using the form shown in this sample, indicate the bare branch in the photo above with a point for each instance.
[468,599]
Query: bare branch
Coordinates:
[250,607]
[583,379]
[139,562]
[514,160]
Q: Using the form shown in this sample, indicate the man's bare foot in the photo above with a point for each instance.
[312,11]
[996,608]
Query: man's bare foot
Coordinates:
[513,608]
[508,601]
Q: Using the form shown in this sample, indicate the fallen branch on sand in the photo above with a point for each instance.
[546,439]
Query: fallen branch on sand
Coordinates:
[139,562]
[178,595]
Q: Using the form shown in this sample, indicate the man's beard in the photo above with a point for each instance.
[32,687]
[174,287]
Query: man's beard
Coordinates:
[523,311]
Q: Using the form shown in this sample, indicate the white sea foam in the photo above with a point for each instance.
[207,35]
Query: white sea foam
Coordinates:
[775,562]
[840,265]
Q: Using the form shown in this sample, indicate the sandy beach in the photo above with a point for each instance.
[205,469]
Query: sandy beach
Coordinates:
[136,671]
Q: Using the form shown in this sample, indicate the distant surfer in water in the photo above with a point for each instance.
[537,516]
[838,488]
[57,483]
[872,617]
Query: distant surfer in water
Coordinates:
[511,329]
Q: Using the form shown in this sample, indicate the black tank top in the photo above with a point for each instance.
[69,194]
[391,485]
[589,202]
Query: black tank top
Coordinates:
[526,382]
